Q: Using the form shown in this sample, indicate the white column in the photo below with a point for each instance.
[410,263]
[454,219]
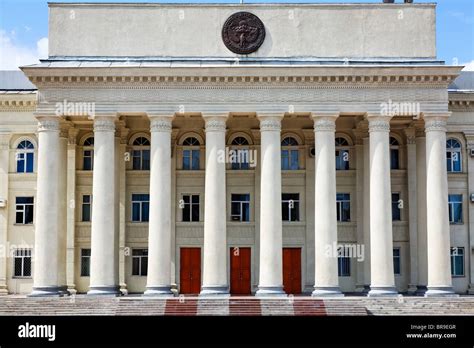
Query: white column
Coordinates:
[381,239]
[326,275]
[214,280]
[45,279]
[62,216]
[71,209]
[104,267]
[271,238]
[438,233]
[159,236]
[422,253]
[470,180]
[412,208]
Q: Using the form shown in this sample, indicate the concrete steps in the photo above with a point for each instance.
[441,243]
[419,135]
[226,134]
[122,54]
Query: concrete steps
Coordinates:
[234,306]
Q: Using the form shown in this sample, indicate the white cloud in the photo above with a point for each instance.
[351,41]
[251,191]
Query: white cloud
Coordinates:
[15,55]
[469,66]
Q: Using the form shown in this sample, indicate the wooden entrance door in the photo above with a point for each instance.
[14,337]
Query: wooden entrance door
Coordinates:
[292,270]
[190,271]
[240,271]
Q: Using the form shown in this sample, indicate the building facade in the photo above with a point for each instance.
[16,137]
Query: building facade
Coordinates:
[193,149]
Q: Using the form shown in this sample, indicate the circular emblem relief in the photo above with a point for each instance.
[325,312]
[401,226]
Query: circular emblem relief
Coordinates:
[243,33]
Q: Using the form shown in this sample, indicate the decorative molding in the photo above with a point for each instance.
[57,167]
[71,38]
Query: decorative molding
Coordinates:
[410,134]
[215,124]
[379,124]
[315,81]
[433,124]
[270,123]
[72,136]
[104,125]
[48,125]
[324,123]
[18,105]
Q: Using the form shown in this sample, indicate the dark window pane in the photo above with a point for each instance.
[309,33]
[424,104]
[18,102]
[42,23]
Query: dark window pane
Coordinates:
[394,159]
[144,268]
[146,160]
[135,266]
[195,198]
[135,212]
[186,159]
[195,212]
[18,266]
[195,154]
[136,160]
[27,267]
[145,211]
[295,212]
[29,214]
[187,212]
[246,212]
[19,217]
[285,160]
[86,212]
[285,211]
[294,159]
[29,162]
[235,208]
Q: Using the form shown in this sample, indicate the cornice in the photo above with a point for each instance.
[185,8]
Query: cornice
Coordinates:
[249,81]
[17,105]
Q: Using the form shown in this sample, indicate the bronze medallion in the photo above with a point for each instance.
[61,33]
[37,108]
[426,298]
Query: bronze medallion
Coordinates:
[243,33]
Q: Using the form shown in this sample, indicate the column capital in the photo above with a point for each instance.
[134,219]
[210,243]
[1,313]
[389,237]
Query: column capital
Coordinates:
[215,122]
[378,123]
[410,133]
[324,122]
[48,123]
[72,135]
[104,122]
[160,123]
[270,122]
[435,124]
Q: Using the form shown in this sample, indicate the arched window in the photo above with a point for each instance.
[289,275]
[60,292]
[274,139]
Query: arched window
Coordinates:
[239,155]
[191,153]
[25,157]
[141,154]
[394,153]
[289,154]
[88,154]
[342,154]
[453,155]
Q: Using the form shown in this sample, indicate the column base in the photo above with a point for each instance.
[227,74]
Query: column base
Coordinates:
[363,288]
[420,290]
[113,290]
[46,291]
[270,291]
[63,290]
[440,291]
[470,290]
[123,289]
[327,292]
[158,291]
[382,291]
[3,290]
[210,291]
[412,288]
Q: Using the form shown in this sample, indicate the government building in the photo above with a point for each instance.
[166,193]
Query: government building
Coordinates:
[255,149]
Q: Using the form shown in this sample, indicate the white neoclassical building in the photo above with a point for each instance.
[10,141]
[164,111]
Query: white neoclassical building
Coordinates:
[242,149]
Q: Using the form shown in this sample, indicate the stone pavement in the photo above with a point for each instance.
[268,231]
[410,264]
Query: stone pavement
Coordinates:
[246,306]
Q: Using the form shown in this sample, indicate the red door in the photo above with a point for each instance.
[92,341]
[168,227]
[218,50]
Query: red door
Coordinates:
[292,270]
[240,271]
[190,271]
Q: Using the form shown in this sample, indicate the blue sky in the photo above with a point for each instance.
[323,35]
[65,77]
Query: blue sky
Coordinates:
[24,28]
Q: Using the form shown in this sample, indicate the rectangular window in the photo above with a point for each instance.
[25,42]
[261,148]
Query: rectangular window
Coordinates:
[88,160]
[342,159]
[85,262]
[396,204]
[453,159]
[343,205]
[455,209]
[24,210]
[457,262]
[396,261]
[290,206]
[240,207]
[190,208]
[141,159]
[191,159]
[343,262]
[86,208]
[22,263]
[140,207]
[290,159]
[139,262]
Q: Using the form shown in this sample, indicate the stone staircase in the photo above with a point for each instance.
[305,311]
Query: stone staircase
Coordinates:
[234,306]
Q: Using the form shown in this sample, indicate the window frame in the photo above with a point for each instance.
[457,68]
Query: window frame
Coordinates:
[395,205]
[394,146]
[24,254]
[449,156]
[343,262]
[83,205]
[85,260]
[142,269]
[340,206]
[27,152]
[296,206]
[141,203]
[245,146]
[190,205]
[339,153]
[292,150]
[23,211]
[451,209]
[139,151]
[242,204]
[399,258]
[452,259]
